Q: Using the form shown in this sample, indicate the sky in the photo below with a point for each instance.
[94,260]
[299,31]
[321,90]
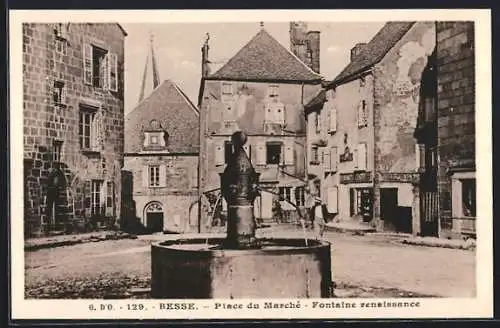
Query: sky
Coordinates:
[178,49]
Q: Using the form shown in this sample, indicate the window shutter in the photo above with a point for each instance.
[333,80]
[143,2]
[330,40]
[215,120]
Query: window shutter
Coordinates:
[87,198]
[362,156]
[105,72]
[360,115]
[326,159]
[64,92]
[93,132]
[87,64]
[163,176]
[145,176]
[219,154]
[102,197]
[261,154]
[113,71]
[333,159]
[289,154]
[332,201]
[269,113]
[280,113]
[109,198]
[248,149]
[333,119]
[355,158]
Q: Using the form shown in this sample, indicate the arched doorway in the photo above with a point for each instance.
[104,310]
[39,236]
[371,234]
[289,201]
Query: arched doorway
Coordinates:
[154,217]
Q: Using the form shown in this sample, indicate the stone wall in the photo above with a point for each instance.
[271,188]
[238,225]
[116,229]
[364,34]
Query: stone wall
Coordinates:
[396,91]
[46,122]
[456,106]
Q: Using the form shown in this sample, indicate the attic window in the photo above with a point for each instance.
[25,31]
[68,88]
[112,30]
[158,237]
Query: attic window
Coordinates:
[273,91]
[227,89]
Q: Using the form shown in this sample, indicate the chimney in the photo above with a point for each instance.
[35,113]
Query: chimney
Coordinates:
[205,67]
[313,49]
[298,41]
[357,50]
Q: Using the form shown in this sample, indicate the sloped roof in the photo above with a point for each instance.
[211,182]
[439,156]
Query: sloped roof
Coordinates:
[318,100]
[375,50]
[264,58]
[168,105]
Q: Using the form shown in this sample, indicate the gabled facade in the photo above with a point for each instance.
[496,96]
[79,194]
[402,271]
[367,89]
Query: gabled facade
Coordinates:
[261,90]
[73,126]
[362,151]
[160,176]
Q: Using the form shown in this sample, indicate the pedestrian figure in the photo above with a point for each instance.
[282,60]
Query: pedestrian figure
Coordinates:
[318,219]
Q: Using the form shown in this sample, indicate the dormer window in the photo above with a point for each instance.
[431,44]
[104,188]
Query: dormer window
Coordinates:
[153,139]
[273,91]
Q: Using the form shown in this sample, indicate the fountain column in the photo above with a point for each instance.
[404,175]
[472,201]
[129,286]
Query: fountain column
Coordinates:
[239,183]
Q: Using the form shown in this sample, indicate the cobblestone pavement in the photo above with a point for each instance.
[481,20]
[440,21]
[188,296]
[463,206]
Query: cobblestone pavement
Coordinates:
[362,266]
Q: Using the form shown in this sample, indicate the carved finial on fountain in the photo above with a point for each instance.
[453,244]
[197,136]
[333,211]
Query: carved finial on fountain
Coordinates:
[239,188]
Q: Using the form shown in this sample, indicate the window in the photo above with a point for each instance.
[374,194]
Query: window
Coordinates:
[109,193]
[56,151]
[362,82]
[153,139]
[314,155]
[88,129]
[100,68]
[59,93]
[60,31]
[273,152]
[154,175]
[61,46]
[228,151]
[362,114]
[469,197]
[317,185]
[96,201]
[300,197]
[273,91]
[285,193]
[275,113]
[227,89]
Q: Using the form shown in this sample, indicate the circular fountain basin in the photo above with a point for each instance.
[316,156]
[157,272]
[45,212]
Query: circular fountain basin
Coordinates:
[202,268]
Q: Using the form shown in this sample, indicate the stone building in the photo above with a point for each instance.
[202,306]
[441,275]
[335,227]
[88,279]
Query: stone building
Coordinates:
[456,128]
[73,125]
[160,175]
[362,151]
[261,90]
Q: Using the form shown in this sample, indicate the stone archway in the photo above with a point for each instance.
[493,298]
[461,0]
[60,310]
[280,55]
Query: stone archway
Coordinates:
[153,213]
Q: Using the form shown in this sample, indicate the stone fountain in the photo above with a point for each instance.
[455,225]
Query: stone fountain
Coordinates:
[241,265]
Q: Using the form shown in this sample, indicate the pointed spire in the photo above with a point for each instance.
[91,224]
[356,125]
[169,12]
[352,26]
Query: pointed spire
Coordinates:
[144,75]
[156,75]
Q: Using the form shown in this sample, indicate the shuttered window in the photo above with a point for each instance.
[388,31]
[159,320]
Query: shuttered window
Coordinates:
[100,67]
